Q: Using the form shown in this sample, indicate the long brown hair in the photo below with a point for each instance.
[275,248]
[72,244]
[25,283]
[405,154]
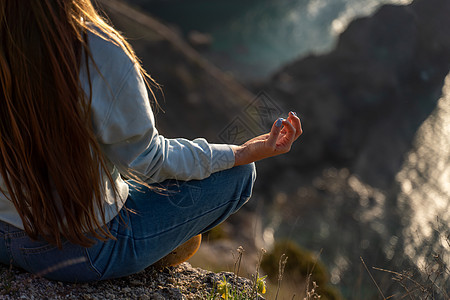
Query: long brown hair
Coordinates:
[46,139]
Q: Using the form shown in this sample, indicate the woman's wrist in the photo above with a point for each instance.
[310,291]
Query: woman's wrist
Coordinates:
[238,155]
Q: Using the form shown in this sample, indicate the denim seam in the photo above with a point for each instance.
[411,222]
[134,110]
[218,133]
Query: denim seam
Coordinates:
[18,234]
[8,248]
[91,264]
[41,249]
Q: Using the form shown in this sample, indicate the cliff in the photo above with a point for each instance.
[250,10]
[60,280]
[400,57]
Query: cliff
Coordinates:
[363,102]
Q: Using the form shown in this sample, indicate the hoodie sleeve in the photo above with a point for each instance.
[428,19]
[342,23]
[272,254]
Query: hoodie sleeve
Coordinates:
[131,142]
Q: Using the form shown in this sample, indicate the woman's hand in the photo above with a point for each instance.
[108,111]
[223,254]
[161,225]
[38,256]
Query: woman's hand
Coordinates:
[278,141]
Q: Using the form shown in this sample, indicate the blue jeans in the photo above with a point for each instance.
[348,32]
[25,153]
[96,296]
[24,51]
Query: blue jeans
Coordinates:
[160,222]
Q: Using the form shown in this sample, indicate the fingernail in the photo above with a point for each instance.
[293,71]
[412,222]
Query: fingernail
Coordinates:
[294,113]
[279,122]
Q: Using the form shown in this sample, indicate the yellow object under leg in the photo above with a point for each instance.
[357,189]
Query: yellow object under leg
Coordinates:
[180,254]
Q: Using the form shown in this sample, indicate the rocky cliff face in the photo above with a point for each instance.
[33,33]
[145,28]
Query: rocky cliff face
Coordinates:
[362,103]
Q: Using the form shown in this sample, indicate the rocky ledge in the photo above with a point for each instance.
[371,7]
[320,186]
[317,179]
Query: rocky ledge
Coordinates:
[180,282]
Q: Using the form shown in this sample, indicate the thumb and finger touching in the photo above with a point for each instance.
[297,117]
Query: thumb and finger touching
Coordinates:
[282,135]
[285,141]
[279,140]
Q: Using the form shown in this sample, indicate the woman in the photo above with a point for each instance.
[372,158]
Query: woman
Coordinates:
[75,118]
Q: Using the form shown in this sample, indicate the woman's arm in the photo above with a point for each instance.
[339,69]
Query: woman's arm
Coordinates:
[125,126]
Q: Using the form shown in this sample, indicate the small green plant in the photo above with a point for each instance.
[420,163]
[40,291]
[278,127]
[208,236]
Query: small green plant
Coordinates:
[228,289]
[261,285]
[223,288]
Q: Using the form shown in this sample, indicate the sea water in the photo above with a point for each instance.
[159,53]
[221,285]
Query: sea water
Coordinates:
[253,38]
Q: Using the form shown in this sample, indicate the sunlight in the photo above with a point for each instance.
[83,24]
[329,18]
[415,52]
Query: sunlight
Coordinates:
[425,179]
[356,9]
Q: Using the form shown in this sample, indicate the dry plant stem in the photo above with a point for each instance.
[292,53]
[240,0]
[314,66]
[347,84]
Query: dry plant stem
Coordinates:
[417,286]
[409,293]
[308,279]
[255,288]
[399,275]
[237,263]
[311,295]
[443,269]
[281,266]
[373,279]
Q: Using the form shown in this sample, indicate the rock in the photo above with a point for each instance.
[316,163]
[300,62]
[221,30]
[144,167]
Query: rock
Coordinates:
[136,283]
[157,296]
[180,282]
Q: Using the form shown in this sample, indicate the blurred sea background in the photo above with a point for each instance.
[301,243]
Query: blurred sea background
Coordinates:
[253,38]
[368,183]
